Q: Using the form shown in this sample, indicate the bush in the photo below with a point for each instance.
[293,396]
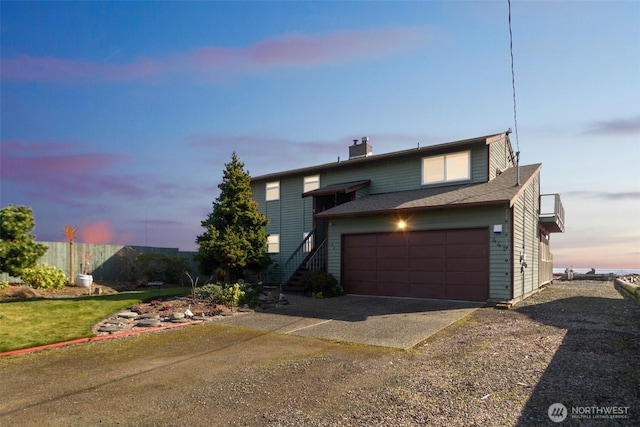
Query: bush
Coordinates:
[321,284]
[231,295]
[44,277]
[148,267]
[18,248]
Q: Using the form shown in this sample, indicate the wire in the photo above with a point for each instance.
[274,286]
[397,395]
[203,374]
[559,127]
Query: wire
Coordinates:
[513,80]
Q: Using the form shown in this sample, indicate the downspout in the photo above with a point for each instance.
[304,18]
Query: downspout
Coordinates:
[513,252]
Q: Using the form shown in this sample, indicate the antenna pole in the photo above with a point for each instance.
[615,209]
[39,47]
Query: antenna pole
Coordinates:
[517,168]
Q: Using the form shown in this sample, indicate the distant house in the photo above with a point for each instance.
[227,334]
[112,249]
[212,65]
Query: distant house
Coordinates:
[454,221]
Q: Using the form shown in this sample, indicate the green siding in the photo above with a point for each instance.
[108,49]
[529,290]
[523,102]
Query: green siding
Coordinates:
[292,215]
[499,157]
[479,164]
[525,236]
[395,175]
[499,283]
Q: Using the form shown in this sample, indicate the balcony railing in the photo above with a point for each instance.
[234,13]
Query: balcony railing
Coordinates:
[552,213]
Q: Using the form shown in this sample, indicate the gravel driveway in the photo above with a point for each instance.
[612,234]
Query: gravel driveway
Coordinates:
[575,343]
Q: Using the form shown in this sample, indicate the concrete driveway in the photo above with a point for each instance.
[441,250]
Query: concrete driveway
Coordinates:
[379,321]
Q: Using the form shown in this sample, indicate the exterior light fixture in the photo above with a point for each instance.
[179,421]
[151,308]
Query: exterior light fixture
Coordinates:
[402,224]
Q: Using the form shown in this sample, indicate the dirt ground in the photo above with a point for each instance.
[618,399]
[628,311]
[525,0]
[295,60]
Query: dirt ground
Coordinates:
[163,305]
[574,343]
[18,291]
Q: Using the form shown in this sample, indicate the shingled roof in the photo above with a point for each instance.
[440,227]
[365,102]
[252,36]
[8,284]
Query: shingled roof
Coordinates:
[425,150]
[501,190]
[344,187]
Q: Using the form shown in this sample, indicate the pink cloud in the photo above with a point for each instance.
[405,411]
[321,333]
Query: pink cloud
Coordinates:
[48,69]
[57,171]
[285,51]
[618,127]
[100,233]
[330,48]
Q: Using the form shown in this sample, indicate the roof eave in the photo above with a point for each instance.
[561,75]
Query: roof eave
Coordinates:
[396,211]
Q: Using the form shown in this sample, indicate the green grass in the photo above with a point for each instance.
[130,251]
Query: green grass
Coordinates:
[35,322]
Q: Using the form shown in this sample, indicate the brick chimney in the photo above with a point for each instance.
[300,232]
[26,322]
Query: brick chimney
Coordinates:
[363,149]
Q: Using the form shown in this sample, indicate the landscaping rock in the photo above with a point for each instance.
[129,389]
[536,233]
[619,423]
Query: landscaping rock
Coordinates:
[112,321]
[149,323]
[149,316]
[128,314]
[109,328]
[176,316]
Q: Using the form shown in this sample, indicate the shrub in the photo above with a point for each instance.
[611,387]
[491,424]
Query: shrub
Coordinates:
[18,248]
[44,277]
[321,284]
[231,295]
[3,284]
[148,267]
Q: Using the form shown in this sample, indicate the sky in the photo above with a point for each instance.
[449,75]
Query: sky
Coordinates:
[119,117]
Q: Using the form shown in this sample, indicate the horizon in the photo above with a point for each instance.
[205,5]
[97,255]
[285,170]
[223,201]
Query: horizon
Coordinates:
[119,117]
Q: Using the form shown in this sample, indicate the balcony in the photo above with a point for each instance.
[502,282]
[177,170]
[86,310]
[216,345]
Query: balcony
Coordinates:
[552,213]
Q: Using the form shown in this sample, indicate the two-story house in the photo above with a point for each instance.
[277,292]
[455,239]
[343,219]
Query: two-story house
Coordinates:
[460,220]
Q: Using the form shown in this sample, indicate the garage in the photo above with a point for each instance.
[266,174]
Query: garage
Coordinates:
[441,264]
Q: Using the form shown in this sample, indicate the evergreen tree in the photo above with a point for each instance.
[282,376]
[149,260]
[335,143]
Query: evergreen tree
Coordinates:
[18,248]
[235,239]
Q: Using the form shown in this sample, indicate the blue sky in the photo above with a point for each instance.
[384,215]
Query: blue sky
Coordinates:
[119,117]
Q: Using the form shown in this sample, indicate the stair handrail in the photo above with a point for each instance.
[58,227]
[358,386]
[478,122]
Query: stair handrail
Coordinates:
[298,256]
[318,259]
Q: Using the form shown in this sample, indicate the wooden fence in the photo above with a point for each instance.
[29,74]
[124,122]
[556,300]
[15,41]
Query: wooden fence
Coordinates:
[106,262]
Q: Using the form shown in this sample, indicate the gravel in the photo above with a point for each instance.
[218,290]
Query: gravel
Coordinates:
[575,343]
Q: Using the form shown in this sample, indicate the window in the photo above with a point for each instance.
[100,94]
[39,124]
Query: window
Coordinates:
[273,243]
[308,244]
[311,183]
[273,190]
[448,167]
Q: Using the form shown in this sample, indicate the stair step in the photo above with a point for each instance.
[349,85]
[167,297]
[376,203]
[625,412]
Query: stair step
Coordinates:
[289,288]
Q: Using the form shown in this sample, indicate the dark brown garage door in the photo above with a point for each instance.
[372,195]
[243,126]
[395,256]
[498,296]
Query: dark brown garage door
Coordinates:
[444,264]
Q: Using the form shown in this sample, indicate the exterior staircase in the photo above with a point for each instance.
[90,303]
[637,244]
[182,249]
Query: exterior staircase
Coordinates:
[294,284]
[307,257]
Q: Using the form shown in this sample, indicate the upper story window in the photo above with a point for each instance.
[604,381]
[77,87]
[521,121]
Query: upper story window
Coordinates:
[446,167]
[311,183]
[273,191]
[273,243]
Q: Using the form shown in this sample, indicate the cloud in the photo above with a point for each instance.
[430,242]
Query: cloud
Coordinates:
[620,127]
[98,233]
[63,172]
[603,195]
[102,233]
[291,50]
[50,69]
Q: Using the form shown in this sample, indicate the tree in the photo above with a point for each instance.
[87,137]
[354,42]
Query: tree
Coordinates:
[18,248]
[70,233]
[235,238]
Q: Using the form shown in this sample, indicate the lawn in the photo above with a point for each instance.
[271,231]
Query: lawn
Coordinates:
[35,322]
